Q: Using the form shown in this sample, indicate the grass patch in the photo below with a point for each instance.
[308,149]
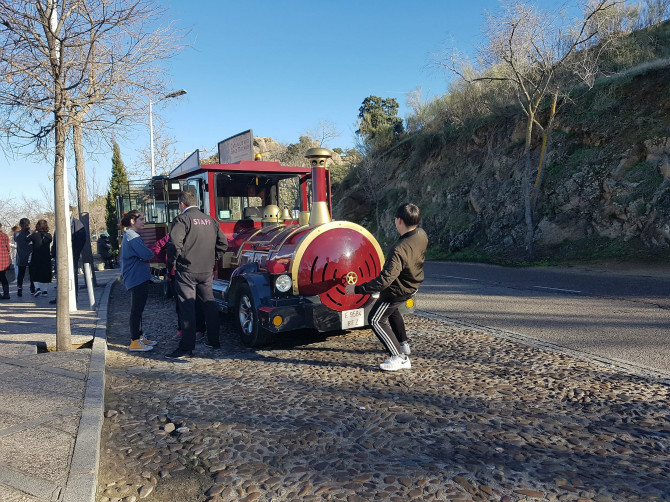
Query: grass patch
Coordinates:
[475,256]
[587,250]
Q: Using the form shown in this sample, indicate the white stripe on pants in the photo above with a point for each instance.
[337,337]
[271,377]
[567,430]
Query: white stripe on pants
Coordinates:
[383,331]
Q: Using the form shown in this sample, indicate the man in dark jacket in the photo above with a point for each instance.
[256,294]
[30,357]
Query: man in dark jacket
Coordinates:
[105,250]
[398,281]
[79,236]
[196,243]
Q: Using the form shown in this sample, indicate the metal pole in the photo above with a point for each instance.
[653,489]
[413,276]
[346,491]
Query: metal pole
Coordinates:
[151,132]
[89,285]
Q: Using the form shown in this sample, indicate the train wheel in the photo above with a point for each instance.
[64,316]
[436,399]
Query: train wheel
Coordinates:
[251,333]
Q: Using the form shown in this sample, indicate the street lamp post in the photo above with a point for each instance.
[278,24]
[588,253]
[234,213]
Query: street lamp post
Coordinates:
[151,123]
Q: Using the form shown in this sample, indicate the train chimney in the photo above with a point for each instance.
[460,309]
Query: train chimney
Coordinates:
[317,161]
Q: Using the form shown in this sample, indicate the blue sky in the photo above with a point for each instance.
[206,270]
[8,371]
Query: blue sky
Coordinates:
[281,67]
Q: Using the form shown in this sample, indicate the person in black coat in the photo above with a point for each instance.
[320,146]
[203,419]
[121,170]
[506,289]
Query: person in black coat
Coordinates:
[78,232]
[23,253]
[105,250]
[40,263]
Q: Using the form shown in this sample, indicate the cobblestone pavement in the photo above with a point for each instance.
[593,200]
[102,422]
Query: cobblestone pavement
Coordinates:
[313,418]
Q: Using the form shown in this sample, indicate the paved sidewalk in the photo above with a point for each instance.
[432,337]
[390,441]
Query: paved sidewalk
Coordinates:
[51,403]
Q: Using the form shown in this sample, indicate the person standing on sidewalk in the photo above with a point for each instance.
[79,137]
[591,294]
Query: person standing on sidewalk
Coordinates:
[40,262]
[23,253]
[196,243]
[5,262]
[136,275]
[105,250]
[78,239]
[398,281]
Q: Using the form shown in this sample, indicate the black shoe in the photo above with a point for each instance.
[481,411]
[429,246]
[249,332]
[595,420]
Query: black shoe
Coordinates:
[212,346]
[52,302]
[179,354]
[5,296]
[19,292]
[32,290]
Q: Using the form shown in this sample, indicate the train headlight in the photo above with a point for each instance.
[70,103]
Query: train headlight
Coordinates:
[283,283]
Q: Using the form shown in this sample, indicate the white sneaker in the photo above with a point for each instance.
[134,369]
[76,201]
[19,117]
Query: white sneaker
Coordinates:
[37,293]
[405,348]
[396,363]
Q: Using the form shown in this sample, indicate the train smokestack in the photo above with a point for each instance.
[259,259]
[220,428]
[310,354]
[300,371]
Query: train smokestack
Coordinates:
[317,161]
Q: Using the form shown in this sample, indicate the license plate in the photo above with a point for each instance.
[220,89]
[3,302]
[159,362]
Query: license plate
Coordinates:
[353,318]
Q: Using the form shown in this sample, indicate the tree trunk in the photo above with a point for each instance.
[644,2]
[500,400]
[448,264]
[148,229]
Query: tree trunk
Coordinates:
[82,196]
[63,334]
[528,208]
[546,136]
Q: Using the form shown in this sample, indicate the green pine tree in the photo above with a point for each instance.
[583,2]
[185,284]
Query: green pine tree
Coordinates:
[377,116]
[119,178]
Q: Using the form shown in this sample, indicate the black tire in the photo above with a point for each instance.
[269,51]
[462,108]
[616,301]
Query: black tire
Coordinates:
[246,316]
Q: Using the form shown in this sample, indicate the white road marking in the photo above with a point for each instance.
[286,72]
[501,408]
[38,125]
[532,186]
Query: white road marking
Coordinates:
[559,289]
[461,278]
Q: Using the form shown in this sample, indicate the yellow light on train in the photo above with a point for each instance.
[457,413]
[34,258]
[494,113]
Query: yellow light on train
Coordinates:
[277,320]
[410,303]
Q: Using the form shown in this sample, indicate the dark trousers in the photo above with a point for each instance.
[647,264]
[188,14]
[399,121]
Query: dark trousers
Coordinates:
[22,274]
[388,325]
[192,287]
[200,326]
[75,266]
[5,284]
[138,300]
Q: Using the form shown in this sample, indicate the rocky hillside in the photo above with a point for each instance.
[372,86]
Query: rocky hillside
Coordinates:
[606,191]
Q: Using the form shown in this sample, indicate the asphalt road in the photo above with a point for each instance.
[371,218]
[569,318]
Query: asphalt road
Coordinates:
[621,315]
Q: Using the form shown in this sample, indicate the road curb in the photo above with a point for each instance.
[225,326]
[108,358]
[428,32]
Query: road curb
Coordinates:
[83,475]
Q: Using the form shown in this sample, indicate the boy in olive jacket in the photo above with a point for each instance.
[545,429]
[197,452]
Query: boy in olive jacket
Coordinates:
[399,280]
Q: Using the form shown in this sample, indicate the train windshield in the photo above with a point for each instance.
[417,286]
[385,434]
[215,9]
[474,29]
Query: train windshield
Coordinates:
[242,196]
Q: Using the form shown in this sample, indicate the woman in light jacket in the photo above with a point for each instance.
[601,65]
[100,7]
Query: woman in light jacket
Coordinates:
[136,275]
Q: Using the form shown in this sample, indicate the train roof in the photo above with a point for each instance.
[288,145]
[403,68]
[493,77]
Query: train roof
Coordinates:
[191,165]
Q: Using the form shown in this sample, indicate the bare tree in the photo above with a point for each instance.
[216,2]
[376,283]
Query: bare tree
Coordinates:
[166,156]
[83,63]
[654,12]
[534,57]
[370,175]
[323,133]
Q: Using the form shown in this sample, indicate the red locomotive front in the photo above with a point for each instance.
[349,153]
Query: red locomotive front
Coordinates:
[298,275]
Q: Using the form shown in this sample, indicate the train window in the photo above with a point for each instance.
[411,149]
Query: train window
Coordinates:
[239,196]
[228,208]
[193,186]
